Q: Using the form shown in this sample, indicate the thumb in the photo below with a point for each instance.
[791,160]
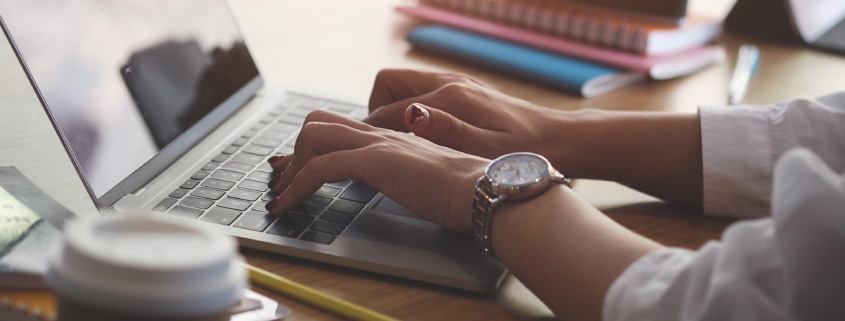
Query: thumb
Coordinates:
[443,129]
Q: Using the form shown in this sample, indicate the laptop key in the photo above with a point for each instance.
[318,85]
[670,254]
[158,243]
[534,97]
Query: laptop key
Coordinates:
[359,192]
[256,221]
[285,150]
[327,191]
[178,193]
[234,204]
[189,184]
[340,108]
[196,202]
[186,211]
[267,119]
[200,175]
[326,227]
[283,128]
[253,185]
[290,224]
[207,193]
[274,135]
[230,150]
[220,158]
[291,143]
[272,143]
[258,127]
[298,112]
[164,204]
[265,166]
[269,196]
[275,112]
[317,200]
[221,215]
[309,103]
[293,120]
[258,150]
[260,206]
[307,209]
[241,167]
[228,175]
[261,176]
[317,237]
[244,194]
[336,217]
[339,184]
[240,141]
[248,158]
[348,207]
[218,184]
[210,166]
[249,134]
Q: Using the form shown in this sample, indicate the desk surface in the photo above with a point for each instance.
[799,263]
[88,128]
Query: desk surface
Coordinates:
[338,46]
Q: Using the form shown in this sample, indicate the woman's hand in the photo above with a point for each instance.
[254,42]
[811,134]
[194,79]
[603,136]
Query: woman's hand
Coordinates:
[462,114]
[432,181]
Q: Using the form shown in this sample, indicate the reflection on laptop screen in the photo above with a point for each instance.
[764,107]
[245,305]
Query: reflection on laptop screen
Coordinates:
[123,79]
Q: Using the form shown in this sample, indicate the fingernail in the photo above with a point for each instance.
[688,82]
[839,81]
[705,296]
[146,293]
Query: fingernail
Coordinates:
[419,115]
[274,159]
[273,182]
[270,206]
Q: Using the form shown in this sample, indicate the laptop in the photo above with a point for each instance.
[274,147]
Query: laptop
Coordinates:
[163,112]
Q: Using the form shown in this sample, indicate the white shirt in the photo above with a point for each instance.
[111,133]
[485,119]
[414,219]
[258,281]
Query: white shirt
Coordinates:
[785,160]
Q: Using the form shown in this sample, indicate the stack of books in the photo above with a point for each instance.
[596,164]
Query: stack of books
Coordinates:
[588,49]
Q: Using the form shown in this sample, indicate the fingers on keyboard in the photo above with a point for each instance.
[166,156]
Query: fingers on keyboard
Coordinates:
[231,189]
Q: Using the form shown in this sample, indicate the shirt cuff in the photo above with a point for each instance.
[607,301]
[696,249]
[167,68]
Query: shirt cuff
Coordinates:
[737,160]
[639,292]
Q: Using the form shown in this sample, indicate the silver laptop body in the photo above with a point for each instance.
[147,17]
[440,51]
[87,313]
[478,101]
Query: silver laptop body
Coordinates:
[164,113]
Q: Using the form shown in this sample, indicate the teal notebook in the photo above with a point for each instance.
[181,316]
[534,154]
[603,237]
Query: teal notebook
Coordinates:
[577,76]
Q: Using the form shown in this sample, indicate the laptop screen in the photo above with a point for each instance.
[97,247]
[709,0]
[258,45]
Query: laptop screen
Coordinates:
[123,79]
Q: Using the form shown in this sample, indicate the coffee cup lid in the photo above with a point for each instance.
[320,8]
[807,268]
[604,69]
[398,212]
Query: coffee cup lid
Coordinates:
[148,266]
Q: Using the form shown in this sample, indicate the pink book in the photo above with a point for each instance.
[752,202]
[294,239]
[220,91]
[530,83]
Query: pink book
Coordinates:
[658,67]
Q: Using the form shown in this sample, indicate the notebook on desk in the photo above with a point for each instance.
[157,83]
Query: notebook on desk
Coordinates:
[163,112]
[576,76]
[657,67]
[652,28]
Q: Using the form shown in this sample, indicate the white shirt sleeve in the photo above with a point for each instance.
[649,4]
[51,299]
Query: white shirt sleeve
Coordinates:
[785,267]
[740,144]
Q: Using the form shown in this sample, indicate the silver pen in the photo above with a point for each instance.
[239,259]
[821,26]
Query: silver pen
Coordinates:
[746,65]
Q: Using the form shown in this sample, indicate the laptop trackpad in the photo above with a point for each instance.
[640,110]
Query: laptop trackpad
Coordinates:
[388,206]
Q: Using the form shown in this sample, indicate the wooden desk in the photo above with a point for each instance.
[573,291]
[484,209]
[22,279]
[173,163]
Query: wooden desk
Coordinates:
[338,46]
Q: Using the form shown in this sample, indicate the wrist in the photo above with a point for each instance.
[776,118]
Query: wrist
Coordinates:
[466,194]
[566,137]
[514,220]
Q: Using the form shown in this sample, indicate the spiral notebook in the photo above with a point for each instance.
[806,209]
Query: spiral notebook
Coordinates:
[617,29]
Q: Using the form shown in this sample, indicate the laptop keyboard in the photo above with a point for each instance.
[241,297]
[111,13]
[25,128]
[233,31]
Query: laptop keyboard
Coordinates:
[231,188]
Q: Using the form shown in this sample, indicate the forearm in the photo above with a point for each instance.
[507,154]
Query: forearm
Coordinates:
[657,153]
[565,251]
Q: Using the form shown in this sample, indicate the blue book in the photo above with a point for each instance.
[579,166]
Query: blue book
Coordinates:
[584,78]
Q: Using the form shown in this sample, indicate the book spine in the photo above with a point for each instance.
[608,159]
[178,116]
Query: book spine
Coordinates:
[555,18]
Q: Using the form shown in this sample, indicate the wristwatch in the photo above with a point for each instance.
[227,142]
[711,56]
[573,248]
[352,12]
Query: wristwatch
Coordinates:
[510,178]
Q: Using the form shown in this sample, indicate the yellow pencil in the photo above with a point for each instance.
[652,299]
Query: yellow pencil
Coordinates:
[313,297]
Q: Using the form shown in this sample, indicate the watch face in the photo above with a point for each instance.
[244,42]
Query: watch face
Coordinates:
[518,170]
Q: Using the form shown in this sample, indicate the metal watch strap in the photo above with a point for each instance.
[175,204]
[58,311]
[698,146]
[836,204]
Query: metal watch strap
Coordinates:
[482,209]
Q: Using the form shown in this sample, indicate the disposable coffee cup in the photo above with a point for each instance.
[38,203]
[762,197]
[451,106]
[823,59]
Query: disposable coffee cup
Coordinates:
[141,268]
